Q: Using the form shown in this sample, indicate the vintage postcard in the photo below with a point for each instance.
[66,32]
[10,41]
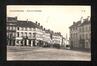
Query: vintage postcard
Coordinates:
[48,32]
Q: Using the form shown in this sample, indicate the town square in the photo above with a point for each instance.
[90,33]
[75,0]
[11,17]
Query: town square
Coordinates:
[48,33]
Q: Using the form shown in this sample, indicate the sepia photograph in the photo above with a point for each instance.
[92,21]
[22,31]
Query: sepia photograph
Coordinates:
[48,32]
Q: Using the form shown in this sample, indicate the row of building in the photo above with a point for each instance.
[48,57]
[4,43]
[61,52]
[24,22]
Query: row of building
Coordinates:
[28,33]
[80,34]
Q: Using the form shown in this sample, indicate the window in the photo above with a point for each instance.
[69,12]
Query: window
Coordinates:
[86,29]
[26,29]
[86,36]
[30,34]
[34,35]
[25,33]
[7,34]
[30,29]
[7,28]
[76,28]
[13,28]
[82,29]
[89,28]
[79,29]
[21,28]
[17,28]
[13,34]
[17,34]
[21,34]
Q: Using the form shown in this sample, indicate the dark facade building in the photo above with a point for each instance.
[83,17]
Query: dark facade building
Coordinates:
[80,34]
[11,30]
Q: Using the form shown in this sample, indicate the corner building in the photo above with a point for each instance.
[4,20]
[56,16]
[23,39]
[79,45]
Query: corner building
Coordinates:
[80,34]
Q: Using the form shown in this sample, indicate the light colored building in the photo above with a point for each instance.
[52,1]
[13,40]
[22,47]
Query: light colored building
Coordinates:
[25,33]
[28,33]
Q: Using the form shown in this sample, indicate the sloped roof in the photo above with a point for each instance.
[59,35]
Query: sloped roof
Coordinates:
[85,22]
[76,24]
[11,18]
[26,24]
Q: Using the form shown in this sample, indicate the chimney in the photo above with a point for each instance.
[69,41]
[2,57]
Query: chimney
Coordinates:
[44,29]
[41,27]
[36,22]
[88,18]
[27,20]
[73,23]
[16,17]
[84,20]
[81,19]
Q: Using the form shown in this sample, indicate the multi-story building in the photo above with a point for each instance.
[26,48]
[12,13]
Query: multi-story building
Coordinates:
[39,35]
[46,38]
[85,34]
[25,33]
[80,34]
[57,39]
[11,30]
[28,33]
[74,34]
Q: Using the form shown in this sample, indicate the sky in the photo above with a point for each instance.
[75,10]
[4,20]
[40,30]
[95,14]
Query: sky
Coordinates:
[54,17]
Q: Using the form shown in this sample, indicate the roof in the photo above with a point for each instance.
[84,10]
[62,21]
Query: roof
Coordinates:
[47,31]
[11,18]
[26,24]
[57,34]
[76,24]
[85,22]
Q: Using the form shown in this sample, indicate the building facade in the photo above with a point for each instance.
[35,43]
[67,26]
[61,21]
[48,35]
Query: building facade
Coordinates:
[80,34]
[25,33]
[28,33]
[11,30]
[85,34]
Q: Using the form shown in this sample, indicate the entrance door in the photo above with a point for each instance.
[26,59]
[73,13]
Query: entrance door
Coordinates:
[33,42]
[29,42]
[25,41]
[14,42]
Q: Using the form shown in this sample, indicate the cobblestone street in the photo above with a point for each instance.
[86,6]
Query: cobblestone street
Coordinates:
[39,53]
